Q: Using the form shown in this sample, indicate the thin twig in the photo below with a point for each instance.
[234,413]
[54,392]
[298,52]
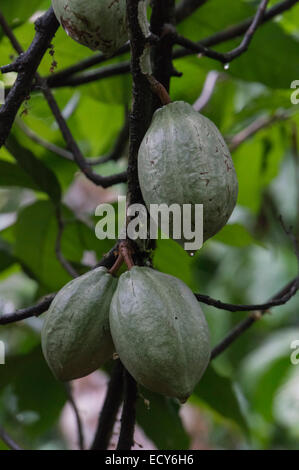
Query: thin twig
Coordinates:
[110,409]
[213,40]
[42,142]
[95,59]
[41,307]
[114,155]
[58,250]
[72,145]
[256,126]
[104,181]
[244,325]
[293,288]
[227,57]
[79,424]
[8,440]
[237,30]
[33,311]
[46,27]
[90,76]
[128,418]
[207,91]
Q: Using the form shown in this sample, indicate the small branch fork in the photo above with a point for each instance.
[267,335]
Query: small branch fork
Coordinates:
[227,57]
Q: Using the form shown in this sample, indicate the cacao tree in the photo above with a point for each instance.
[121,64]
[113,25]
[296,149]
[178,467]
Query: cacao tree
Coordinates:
[166,102]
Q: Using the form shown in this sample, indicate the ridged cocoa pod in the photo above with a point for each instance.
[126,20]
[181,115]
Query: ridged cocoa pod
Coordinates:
[183,159]
[76,338]
[97,24]
[159,332]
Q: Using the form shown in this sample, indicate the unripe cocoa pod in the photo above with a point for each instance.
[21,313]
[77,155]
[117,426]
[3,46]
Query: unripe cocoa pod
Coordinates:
[183,159]
[76,338]
[159,332]
[97,24]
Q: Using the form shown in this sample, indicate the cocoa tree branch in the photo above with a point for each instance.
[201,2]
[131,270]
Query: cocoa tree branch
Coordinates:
[42,142]
[142,99]
[256,126]
[227,57]
[95,59]
[104,181]
[90,76]
[110,409]
[128,418]
[162,14]
[237,30]
[244,325]
[293,287]
[46,27]
[33,311]
[218,38]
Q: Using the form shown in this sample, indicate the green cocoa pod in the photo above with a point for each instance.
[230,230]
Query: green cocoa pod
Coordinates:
[76,338]
[97,24]
[159,332]
[184,159]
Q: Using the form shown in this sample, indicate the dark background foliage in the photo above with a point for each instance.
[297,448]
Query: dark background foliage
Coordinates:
[249,395]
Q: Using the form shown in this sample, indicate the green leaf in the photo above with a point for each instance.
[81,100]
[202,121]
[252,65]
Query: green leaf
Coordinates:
[261,156]
[170,258]
[42,176]
[159,418]
[265,369]
[265,61]
[235,235]
[14,175]
[36,234]
[31,409]
[219,394]
[6,257]
[15,11]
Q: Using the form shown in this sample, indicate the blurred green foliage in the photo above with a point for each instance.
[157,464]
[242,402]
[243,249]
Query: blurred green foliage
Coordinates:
[249,396]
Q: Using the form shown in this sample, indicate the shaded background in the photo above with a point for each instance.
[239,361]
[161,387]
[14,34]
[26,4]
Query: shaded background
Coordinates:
[249,396]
